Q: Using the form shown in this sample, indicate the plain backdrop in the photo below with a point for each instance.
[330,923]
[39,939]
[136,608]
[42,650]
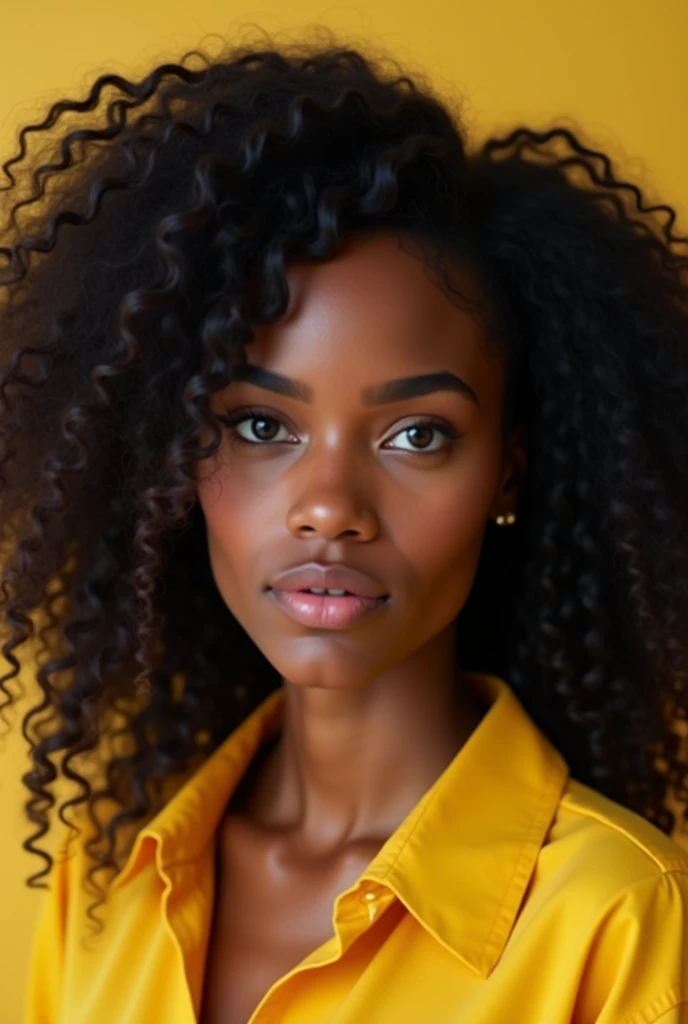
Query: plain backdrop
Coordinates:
[614,67]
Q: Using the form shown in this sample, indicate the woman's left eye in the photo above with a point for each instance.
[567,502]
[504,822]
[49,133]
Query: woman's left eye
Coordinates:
[419,433]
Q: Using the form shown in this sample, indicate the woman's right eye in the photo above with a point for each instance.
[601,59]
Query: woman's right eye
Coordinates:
[254,428]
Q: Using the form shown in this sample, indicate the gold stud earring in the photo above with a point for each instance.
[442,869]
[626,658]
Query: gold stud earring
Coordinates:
[506,520]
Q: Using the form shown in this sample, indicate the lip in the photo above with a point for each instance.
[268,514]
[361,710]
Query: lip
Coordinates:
[365,596]
[328,577]
[321,611]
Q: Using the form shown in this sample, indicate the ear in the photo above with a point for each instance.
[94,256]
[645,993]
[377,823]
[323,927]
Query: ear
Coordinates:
[514,467]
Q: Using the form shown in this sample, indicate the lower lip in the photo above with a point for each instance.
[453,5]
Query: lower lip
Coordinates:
[324,612]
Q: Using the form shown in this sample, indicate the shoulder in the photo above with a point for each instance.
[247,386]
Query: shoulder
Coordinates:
[77,873]
[605,834]
[608,853]
[617,888]
[597,855]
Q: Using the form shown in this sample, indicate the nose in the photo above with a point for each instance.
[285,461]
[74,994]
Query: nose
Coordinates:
[331,501]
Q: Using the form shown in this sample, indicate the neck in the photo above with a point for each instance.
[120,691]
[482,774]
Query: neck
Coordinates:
[349,765]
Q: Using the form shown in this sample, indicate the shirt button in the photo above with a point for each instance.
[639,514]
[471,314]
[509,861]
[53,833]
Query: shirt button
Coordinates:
[370,898]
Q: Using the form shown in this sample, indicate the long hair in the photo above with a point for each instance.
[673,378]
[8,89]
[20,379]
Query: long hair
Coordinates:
[149,235]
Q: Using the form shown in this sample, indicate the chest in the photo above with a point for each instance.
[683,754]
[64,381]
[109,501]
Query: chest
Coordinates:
[268,916]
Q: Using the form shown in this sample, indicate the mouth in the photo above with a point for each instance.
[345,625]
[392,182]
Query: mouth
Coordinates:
[327,609]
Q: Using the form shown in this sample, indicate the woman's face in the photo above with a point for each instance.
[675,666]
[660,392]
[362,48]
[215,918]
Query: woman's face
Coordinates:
[337,471]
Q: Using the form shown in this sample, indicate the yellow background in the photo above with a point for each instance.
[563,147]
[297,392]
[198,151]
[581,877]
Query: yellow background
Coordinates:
[616,67]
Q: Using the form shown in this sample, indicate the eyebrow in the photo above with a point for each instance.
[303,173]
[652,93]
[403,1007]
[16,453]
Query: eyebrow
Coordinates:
[377,394]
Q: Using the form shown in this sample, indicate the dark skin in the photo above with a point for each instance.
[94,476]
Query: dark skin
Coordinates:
[375,712]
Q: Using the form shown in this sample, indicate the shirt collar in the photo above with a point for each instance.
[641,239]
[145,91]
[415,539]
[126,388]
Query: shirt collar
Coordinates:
[463,858]
[460,861]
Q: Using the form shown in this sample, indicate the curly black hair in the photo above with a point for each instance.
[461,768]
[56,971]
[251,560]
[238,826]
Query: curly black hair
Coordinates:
[135,258]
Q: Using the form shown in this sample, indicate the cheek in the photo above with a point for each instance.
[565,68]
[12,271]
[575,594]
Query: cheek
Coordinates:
[232,522]
[443,544]
[442,531]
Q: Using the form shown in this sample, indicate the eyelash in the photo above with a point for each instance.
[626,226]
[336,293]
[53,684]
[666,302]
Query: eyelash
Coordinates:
[233,419]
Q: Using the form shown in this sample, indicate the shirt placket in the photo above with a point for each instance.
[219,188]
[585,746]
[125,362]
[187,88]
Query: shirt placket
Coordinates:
[355,911]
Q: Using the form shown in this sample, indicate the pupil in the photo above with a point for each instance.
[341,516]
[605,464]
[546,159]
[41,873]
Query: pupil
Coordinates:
[414,431]
[261,428]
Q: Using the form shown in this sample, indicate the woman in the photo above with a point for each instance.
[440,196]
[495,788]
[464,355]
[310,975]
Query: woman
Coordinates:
[344,483]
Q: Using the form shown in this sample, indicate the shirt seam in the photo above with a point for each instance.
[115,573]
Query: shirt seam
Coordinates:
[528,842]
[665,866]
[406,839]
[640,1016]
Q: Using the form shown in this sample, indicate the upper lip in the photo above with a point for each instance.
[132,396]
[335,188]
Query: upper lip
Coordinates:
[328,577]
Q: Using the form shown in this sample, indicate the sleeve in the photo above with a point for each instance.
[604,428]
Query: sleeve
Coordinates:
[46,961]
[636,970]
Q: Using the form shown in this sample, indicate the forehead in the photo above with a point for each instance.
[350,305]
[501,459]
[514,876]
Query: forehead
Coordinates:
[373,310]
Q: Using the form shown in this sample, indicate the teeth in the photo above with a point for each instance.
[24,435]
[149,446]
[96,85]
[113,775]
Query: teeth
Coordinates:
[333,593]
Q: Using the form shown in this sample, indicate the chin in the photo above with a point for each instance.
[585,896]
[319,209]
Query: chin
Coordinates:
[325,671]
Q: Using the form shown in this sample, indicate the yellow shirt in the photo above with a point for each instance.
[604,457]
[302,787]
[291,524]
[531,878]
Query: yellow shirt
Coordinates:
[510,893]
